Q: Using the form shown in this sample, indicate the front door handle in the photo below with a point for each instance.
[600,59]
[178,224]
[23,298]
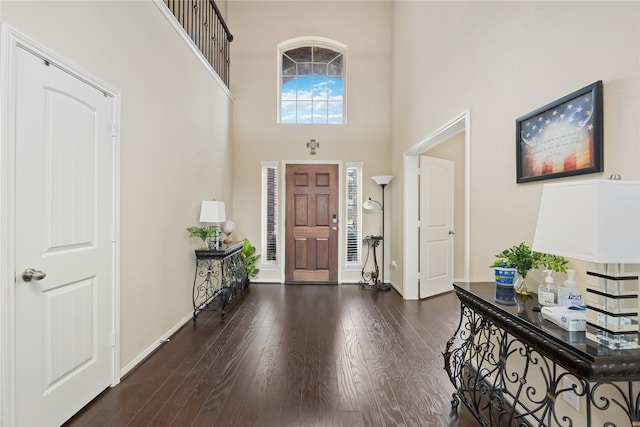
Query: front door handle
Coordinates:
[32,274]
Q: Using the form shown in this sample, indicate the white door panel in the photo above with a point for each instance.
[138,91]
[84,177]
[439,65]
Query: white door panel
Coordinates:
[436,226]
[64,220]
[436,260]
[70,168]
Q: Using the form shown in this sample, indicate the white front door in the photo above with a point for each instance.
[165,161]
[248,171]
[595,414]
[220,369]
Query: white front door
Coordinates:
[64,222]
[436,226]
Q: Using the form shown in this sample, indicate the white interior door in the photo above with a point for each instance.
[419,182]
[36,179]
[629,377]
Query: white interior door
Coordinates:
[436,225]
[64,222]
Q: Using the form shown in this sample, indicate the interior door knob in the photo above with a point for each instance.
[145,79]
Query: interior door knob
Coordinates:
[32,274]
[452,232]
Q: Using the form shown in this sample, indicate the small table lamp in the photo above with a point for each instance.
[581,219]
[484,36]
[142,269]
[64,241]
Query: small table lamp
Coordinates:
[598,221]
[213,212]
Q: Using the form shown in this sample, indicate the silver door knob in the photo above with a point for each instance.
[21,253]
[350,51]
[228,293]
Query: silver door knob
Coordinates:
[334,228]
[32,274]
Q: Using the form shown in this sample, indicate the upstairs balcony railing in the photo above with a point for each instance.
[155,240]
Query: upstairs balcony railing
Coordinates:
[202,20]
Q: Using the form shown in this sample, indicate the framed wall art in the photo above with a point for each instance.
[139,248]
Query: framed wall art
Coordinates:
[563,138]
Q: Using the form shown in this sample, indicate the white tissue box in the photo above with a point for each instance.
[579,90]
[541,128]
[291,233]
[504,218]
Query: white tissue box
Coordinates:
[568,319]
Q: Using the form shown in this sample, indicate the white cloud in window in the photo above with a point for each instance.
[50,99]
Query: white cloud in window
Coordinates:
[312,99]
[288,112]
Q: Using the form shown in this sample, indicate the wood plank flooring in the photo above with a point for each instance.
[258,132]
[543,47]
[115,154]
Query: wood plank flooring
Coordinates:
[296,355]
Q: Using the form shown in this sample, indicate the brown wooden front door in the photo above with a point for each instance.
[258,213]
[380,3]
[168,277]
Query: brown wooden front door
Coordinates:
[312,223]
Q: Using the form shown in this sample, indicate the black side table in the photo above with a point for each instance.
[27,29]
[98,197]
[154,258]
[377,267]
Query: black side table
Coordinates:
[220,277]
[371,279]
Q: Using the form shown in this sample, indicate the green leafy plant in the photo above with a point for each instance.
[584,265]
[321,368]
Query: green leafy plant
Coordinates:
[249,258]
[203,233]
[523,259]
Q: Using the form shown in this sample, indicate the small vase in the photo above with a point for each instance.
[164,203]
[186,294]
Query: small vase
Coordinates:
[520,285]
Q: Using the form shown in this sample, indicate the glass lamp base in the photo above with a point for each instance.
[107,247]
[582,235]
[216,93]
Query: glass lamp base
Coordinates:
[624,341]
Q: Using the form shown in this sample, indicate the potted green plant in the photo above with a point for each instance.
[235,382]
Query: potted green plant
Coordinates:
[249,258]
[523,259]
[203,233]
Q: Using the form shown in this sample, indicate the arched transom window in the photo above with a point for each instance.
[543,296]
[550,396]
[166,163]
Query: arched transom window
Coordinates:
[311,79]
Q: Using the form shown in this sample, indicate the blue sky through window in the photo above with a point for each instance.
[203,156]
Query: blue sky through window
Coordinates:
[313,98]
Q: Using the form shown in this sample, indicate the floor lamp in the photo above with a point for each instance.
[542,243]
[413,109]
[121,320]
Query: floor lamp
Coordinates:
[382,181]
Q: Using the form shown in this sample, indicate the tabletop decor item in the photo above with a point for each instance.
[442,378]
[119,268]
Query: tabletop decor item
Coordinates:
[213,212]
[562,138]
[227,228]
[203,233]
[523,259]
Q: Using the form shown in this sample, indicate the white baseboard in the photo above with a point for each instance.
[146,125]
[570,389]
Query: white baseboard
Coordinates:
[397,288]
[142,356]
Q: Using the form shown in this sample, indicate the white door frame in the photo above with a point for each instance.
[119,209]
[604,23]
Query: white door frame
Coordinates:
[10,40]
[411,164]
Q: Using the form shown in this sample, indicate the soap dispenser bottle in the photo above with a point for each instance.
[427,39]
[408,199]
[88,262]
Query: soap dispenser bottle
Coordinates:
[567,295]
[547,291]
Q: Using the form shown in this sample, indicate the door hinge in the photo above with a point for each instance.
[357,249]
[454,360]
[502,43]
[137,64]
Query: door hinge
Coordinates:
[114,130]
[113,235]
[419,171]
[418,224]
[113,340]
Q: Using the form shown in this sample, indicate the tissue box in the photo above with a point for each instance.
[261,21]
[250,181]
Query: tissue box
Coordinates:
[568,319]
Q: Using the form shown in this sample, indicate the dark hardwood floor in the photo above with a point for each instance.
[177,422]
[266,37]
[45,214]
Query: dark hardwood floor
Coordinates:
[306,355]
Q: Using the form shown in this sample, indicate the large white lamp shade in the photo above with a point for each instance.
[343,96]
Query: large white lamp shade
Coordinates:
[596,221]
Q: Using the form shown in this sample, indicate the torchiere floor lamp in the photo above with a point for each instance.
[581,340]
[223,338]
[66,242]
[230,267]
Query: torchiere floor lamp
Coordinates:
[382,181]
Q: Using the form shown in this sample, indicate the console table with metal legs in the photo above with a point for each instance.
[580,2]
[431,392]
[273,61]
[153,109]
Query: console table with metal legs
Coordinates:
[510,367]
[220,277]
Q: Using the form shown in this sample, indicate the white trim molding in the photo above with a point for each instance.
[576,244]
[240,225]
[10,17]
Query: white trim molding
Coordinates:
[7,221]
[411,163]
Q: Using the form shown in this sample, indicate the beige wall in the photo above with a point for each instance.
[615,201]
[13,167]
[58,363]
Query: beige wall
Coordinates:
[502,60]
[258,27]
[174,138]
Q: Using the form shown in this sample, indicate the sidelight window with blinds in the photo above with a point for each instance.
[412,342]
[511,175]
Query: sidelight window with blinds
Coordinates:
[353,199]
[270,214]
